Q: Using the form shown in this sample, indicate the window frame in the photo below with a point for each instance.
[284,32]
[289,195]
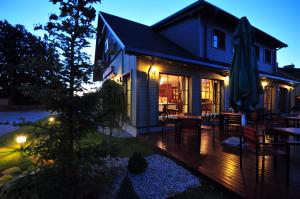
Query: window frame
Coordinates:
[187,104]
[265,61]
[213,41]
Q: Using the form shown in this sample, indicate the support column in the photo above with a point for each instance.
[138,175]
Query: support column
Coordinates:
[195,95]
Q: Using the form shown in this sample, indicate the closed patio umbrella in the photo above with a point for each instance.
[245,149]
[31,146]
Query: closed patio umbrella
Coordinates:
[244,83]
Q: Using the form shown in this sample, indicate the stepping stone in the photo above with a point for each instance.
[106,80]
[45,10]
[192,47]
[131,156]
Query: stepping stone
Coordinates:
[12,171]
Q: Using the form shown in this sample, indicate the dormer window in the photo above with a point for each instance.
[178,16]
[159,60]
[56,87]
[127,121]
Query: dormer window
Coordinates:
[267,57]
[219,39]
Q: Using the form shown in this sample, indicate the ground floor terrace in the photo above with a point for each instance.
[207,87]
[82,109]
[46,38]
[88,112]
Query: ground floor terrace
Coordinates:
[220,164]
[156,88]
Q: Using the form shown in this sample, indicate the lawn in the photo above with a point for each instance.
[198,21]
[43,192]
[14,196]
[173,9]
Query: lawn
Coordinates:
[10,155]
[12,159]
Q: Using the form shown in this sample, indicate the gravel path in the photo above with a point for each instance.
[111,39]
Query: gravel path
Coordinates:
[14,116]
[163,178]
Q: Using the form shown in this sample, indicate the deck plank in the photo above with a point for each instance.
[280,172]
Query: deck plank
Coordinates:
[222,166]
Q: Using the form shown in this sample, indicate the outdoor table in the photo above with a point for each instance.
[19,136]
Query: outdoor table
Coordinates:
[294,119]
[285,131]
[176,121]
[191,122]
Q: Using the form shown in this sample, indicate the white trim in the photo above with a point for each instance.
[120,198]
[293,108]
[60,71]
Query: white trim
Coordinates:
[279,78]
[113,33]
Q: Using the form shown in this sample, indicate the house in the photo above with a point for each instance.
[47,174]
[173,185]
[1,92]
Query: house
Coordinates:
[293,72]
[180,65]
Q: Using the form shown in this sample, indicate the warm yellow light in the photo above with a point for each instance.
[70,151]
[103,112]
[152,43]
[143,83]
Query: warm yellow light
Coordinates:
[51,119]
[153,71]
[264,84]
[226,81]
[162,80]
[21,139]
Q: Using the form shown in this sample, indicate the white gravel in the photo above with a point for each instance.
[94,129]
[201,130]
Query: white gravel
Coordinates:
[163,178]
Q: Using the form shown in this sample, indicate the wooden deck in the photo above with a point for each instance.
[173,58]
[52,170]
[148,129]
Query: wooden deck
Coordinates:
[221,165]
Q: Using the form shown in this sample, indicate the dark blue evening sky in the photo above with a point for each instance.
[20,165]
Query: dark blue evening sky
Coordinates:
[279,18]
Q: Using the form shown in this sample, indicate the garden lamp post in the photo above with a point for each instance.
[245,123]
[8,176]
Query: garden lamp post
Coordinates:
[21,139]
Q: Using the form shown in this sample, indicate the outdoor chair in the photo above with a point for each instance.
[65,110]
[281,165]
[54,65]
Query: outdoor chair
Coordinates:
[209,123]
[256,143]
[232,121]
[252,120]
[188,125]
[167,123]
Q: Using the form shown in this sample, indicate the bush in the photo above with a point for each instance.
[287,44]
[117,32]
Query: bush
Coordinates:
[126,190]
[137,163]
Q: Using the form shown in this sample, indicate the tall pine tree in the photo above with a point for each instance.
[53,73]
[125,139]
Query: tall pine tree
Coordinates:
[69,32]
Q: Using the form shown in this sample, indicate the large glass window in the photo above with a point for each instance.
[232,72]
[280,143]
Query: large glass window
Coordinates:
[269,94]
[210,96]
[173,94]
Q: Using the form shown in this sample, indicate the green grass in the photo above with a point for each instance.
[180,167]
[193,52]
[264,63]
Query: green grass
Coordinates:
[10,155]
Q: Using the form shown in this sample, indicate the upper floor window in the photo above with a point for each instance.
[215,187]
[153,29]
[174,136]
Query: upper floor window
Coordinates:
[268,58]
[219,39]
[257,51]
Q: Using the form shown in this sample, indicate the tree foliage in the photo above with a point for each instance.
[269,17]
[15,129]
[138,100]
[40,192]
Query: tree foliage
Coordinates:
[77,115]
[24,60]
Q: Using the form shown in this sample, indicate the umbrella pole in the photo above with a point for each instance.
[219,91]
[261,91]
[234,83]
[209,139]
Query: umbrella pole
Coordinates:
[243,122]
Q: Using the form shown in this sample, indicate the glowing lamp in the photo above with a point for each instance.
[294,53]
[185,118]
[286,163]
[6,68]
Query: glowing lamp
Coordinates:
[21,139]
[153,71]
[264,84]
[226,81]
[51,119]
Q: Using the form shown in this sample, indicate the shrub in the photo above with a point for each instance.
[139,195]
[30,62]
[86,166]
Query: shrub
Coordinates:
[126,190]
[137,163]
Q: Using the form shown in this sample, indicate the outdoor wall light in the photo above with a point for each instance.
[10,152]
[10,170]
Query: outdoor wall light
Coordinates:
[153,71]
[226,81]
[264,84]
[21,139]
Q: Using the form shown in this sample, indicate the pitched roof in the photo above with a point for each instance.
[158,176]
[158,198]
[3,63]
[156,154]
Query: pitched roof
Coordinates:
[140,38]
[204,7]
[293,73]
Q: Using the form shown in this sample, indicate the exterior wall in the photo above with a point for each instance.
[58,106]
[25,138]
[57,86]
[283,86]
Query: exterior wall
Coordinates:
[219,54]
[185,34]
[194,74]
[262,66]
[195,35]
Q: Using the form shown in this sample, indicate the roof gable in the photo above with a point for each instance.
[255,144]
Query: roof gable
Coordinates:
[136,36]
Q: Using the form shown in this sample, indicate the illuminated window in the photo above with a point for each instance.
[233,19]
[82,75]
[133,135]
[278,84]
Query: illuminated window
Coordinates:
[173,94]
[219,39]
[210,96]
[268,97]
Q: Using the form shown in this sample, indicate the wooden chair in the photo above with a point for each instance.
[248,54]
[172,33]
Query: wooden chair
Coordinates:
[188,124]
[232,121]
[208,123]
[256,143]
[167,123]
